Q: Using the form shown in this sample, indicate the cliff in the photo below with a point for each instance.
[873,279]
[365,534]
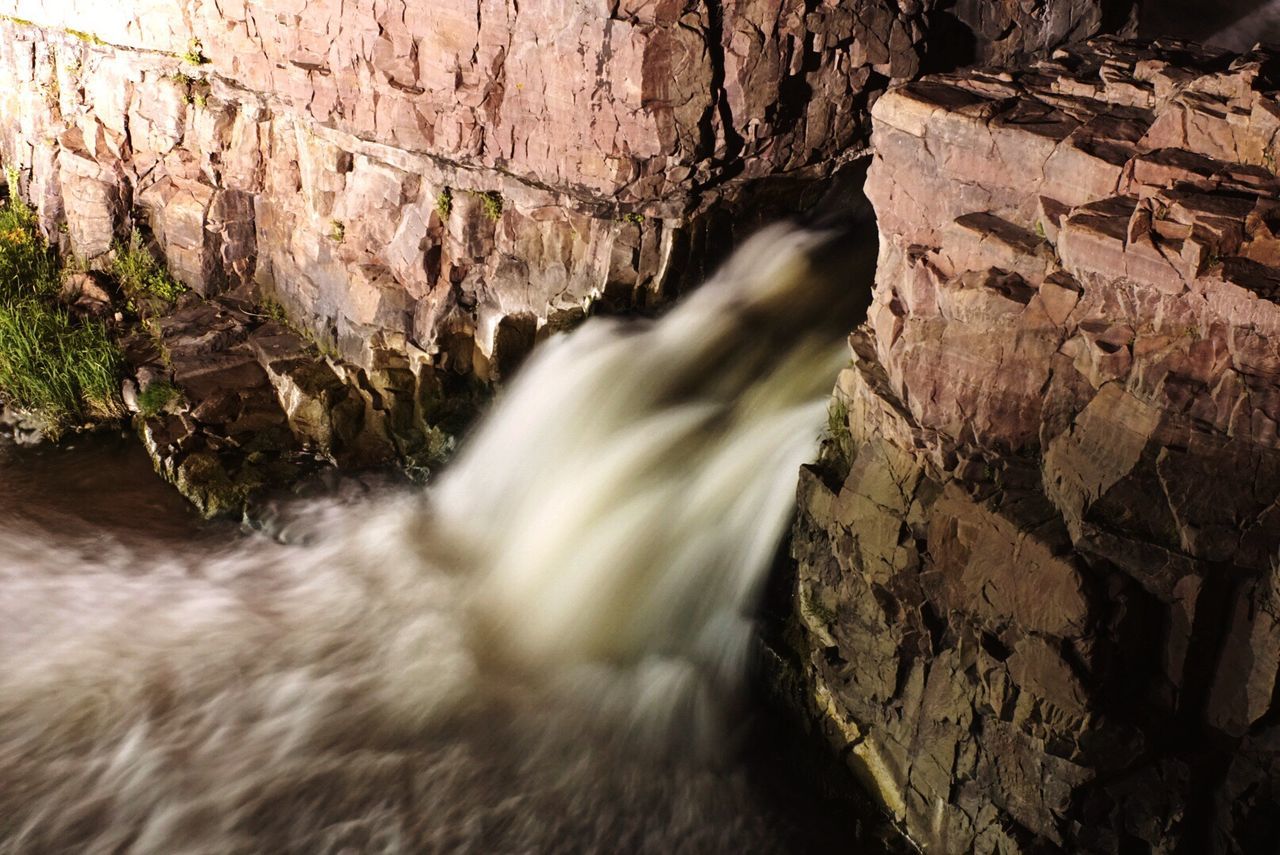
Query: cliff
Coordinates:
[443,180]
[1038,573]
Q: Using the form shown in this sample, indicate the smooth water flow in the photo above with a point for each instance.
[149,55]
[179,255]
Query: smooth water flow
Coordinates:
[519,660]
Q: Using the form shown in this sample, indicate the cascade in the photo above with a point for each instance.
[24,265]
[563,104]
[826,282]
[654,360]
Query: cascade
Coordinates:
[501,661]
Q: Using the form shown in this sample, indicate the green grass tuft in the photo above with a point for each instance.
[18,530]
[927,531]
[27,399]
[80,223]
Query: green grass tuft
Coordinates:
[444,203]
[146,284]
[492,203]
[157,397]
[64,368]
[55,366]
[839,444]
[27,268]
[195,53]
[273,311]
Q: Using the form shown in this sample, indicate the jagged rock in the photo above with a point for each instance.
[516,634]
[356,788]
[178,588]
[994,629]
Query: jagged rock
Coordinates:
[323,412]
[255,406]
[86,294]
[405,176]
[1045,557]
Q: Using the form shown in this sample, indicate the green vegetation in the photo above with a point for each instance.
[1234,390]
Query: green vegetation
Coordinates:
[635,219]
[492,204]
[195,90]
[157,397]
[437,446]
[147,286]
[325,346]
[839,442]
[63,368]
[273,311]
[88,38]
[814,608]
[444,203]
[52,366]
[195,53]
[337,231]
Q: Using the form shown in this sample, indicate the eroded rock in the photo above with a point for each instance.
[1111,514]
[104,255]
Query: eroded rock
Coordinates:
[434,178]
[250,405]
[1044,559]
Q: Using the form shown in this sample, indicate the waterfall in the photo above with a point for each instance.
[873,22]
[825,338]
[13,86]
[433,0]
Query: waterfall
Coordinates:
[1262,24]
[519,658]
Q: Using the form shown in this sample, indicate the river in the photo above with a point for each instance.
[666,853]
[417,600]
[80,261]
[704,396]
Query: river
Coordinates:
[547,651]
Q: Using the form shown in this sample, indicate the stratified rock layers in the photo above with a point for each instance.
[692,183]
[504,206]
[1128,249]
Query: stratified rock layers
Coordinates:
[1040,577]
[444,179]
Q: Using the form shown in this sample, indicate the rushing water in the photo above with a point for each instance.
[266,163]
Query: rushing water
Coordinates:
[544,652]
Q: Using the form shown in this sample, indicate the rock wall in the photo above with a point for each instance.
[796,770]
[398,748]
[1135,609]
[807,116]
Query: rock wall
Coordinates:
[445,180]
[1039,576]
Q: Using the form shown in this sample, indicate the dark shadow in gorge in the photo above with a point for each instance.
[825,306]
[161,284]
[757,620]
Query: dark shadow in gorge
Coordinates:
[1197,20]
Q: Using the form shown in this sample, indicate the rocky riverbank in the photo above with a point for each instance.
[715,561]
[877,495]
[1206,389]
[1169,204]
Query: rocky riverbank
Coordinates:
[423,197]
[231,399]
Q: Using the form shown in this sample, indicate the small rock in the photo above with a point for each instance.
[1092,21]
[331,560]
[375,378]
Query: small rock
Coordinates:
[86,294]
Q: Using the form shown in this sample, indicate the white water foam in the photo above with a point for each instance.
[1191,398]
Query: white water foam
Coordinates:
[540,654]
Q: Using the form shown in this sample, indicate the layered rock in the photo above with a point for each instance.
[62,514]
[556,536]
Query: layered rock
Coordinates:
[1039,574]
[232,405]
[444,180]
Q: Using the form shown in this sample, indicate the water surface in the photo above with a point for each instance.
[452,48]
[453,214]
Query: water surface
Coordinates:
[545,652]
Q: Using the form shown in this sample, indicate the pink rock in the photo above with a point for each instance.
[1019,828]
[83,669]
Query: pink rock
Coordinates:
[1058,504]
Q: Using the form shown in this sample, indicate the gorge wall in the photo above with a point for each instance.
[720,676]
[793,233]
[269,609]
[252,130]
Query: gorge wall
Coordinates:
[441,181]
[1037,580]
[1039,571]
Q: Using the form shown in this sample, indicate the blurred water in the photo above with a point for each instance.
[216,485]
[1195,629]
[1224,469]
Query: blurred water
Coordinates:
[543,653]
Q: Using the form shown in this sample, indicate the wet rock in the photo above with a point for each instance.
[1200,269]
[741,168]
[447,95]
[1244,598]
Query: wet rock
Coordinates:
[21,427]
[1037,581]
[249,406]
[324,414]
[235,405]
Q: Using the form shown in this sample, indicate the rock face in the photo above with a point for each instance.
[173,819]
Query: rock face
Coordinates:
[240,404]
[445,180]
[1040,575]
